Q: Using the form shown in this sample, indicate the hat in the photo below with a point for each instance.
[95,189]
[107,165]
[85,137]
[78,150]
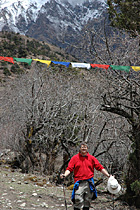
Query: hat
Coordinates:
[113,185]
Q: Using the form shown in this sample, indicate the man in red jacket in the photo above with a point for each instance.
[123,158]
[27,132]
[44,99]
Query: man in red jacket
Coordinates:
[83,165]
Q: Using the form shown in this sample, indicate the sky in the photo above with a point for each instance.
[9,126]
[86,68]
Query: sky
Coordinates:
[81,1]
[76,1]
[6,3]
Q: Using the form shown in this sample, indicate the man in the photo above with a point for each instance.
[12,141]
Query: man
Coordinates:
[83,165]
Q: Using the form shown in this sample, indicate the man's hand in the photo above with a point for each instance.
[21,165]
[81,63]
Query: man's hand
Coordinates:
[62,176]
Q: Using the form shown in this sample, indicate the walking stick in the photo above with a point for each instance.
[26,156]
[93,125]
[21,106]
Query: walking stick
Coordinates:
[113,202]
[64,195]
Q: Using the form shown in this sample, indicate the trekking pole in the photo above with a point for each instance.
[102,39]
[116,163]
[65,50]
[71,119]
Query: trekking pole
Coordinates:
[113,202]
[64,195]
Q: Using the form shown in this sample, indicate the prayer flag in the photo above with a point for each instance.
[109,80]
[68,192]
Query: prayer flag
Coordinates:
[136,68]
[81,65]
[43,61]
[62,63]
[25,60]
[9,59]
[121,68]
[100,66]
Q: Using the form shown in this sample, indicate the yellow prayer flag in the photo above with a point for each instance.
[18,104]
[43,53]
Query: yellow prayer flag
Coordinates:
[136,68]
[43,61]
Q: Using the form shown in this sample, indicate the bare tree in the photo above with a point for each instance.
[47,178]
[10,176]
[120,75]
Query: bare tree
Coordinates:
[122,95]
[50,111]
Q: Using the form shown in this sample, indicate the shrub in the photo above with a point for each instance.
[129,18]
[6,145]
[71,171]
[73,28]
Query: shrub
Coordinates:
[16,69]
[135,187]
[6,72]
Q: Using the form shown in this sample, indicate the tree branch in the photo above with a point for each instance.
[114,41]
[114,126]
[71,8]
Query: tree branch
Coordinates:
[117,111]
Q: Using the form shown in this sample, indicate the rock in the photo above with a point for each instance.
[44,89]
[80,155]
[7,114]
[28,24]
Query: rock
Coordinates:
[9,206]
[19,182]
[35,205]
[23,205]
[40,196]
[19,201]
[44,205]
[26,182]
[4,194]
[1,154]
[13,180]
[62,205]
[34,194]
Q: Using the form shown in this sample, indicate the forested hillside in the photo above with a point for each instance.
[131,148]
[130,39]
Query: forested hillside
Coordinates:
[16,45]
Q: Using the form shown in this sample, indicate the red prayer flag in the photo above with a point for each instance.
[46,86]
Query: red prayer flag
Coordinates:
[9,59]
[100,66]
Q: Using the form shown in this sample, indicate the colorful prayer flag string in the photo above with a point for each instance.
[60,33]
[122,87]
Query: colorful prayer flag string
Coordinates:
[74,64]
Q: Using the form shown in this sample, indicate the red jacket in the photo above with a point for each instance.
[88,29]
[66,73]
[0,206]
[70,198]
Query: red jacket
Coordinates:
[83,166]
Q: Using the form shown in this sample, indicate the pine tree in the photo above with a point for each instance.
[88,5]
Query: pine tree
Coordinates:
[125,14]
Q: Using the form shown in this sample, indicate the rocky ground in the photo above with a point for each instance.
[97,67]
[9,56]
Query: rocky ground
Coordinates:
[29,191]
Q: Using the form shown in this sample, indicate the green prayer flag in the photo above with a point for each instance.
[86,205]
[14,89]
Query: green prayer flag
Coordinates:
[121,68]
[25,60]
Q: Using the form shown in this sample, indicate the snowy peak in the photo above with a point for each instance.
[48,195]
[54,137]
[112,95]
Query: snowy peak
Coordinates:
[13,10]
[75,15]
[25,3]
[43,19]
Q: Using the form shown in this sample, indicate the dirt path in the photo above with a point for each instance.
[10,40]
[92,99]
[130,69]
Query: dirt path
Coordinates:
[28,192]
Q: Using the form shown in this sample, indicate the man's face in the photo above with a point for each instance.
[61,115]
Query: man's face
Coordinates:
[83,149]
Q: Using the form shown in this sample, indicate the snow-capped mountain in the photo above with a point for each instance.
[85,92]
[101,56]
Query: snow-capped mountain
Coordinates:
[48,20]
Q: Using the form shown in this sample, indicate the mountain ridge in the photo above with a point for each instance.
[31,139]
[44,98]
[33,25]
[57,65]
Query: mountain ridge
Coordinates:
[49,20]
